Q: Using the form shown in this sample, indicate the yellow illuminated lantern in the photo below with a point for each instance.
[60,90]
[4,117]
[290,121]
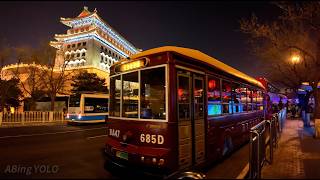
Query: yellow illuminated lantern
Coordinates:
[295,59]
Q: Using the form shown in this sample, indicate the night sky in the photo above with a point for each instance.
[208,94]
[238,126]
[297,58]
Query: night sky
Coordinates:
[211,27]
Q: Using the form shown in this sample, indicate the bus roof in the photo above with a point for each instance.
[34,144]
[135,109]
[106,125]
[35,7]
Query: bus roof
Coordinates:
[195,54]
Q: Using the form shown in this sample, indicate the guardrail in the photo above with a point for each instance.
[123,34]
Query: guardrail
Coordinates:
[30,117]
[263,139]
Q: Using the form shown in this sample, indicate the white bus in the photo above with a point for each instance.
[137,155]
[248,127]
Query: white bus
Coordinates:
[88,108]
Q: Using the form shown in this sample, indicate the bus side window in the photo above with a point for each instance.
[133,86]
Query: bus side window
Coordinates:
[226,97]
[249,99]
[214,96]
[260,100]
[254,100]
[244,98]
[236,98]
[184,96]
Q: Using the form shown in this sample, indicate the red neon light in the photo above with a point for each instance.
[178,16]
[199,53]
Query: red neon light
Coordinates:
[180,92]
[228,87]
[212,84]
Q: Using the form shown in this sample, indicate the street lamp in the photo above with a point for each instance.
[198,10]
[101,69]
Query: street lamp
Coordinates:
[295,59]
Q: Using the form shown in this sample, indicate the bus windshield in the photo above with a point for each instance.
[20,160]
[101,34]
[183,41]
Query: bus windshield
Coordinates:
[150,89]
[74,101]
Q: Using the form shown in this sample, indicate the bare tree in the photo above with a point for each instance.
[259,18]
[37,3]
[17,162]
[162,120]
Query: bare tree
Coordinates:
[37,74]
[54,79]
[29,75]
[289,45]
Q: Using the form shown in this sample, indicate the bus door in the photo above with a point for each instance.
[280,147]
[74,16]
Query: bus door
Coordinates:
[190,91]
[198,119]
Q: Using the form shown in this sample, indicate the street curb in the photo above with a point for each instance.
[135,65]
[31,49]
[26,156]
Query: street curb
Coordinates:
[244,172]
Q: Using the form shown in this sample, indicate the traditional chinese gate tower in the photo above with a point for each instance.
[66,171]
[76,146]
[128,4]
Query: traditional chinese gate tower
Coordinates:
[90,43]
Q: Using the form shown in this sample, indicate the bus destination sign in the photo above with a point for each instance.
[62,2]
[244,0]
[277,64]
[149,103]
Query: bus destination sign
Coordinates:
[132,65]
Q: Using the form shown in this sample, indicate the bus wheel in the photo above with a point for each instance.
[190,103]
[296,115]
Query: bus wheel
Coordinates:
[227,145]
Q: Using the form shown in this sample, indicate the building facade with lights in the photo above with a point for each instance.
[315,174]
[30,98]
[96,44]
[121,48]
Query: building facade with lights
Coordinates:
[90,43]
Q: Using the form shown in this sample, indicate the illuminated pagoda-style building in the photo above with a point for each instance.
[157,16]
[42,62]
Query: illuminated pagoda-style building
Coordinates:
[90,43]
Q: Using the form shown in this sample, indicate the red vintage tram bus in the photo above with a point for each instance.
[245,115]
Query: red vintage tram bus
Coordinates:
[173,108]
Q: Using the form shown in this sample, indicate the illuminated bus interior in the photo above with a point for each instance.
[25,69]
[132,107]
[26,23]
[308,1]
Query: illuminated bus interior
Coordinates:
[225,97]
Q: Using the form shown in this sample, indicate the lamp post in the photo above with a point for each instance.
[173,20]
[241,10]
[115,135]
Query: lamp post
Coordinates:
[295,59]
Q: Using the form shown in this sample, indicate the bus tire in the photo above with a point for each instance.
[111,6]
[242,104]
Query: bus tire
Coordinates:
[227,145]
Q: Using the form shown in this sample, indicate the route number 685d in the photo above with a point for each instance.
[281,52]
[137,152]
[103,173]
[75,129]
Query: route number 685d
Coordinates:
[153,138]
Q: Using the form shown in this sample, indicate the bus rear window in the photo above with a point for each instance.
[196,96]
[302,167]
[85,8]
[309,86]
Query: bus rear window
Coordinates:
[95,105]
[74,101]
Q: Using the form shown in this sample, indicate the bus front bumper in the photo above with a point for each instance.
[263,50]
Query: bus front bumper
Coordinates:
[112,162]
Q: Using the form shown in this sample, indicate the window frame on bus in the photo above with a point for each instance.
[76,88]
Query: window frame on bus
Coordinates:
[222,80]
[208,76]
[241,85]
[139,95]
[185,74]
[234,95]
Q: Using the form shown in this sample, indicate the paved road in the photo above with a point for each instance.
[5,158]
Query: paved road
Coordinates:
[64,151]
[53,151]
[233,167]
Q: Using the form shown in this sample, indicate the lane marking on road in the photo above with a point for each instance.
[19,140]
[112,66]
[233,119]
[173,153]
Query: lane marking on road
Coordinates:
[41,134]
[244,172]
[91,137]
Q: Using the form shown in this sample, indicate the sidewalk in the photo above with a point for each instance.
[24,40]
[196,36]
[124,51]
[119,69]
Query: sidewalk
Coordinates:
[298,154]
